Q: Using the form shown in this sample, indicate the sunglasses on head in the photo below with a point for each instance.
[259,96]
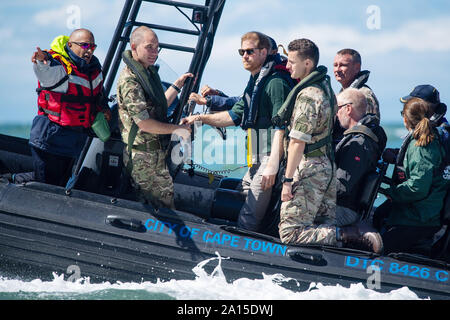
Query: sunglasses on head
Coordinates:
[86,45]
[249,51]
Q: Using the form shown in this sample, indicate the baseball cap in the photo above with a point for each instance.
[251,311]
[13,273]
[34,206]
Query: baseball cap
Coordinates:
[425,92]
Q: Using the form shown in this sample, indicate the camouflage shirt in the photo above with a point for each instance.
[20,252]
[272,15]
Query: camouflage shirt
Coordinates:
[373,106]
[133,106]
[310,120]
[372,102]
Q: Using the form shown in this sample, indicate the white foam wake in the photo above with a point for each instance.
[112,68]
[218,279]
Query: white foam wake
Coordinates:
[206,286]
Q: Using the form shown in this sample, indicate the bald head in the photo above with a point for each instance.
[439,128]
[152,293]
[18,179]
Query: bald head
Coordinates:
[77,43]
[138,35]
[144,46]
[78,34]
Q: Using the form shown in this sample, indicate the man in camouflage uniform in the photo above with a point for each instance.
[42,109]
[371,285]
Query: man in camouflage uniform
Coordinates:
[307,214]
[309,185]
[143,113]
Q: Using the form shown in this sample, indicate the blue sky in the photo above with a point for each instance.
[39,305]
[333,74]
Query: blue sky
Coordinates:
[408,45]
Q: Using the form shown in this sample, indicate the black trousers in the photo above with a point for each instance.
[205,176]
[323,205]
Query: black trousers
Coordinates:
[404,238]
[50,168]
[399,238]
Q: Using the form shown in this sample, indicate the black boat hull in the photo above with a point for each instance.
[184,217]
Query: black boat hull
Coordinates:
[43,230]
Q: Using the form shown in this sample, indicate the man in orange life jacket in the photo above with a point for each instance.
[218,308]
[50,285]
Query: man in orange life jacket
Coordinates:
[70,95]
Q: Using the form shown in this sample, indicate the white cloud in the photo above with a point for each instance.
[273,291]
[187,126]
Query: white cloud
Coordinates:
[50,16]
[417,36]
[423,35]
[92,12]
[284,20]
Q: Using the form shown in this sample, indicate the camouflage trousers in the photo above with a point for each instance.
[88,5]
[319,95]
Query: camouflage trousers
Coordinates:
[309,217]
[152,179]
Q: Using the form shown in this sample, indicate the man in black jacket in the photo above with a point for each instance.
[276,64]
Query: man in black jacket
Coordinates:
[357,153]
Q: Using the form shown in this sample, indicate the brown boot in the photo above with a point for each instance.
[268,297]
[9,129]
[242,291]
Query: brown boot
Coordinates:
[362,237]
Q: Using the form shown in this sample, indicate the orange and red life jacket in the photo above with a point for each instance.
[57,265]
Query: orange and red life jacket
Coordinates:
[80,104]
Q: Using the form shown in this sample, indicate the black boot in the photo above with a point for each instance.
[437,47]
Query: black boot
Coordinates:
[362,237]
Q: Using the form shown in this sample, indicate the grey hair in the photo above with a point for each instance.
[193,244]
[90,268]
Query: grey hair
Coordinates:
[358,100]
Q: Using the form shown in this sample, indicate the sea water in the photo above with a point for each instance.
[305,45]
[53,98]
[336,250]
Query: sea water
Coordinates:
[213,286]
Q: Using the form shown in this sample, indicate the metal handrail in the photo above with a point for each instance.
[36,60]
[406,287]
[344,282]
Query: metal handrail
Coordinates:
[201,52]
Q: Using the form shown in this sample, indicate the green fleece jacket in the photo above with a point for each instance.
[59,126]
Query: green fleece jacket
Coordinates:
[419,200]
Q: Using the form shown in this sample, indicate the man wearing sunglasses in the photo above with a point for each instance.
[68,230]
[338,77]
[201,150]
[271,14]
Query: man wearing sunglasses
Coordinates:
[216,100]
[266,91]
[357,153]
[70,94]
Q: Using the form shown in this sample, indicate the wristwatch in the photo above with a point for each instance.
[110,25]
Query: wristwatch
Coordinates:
[284,179]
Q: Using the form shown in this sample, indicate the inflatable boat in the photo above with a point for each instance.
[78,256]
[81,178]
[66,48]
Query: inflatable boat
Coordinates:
[95,228]
[44,229]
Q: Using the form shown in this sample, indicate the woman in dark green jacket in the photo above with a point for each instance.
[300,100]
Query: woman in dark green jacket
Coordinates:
[415,204]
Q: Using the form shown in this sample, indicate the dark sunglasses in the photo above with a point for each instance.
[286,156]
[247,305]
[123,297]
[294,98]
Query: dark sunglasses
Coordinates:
[249,51]
[402,113]
[86,45]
